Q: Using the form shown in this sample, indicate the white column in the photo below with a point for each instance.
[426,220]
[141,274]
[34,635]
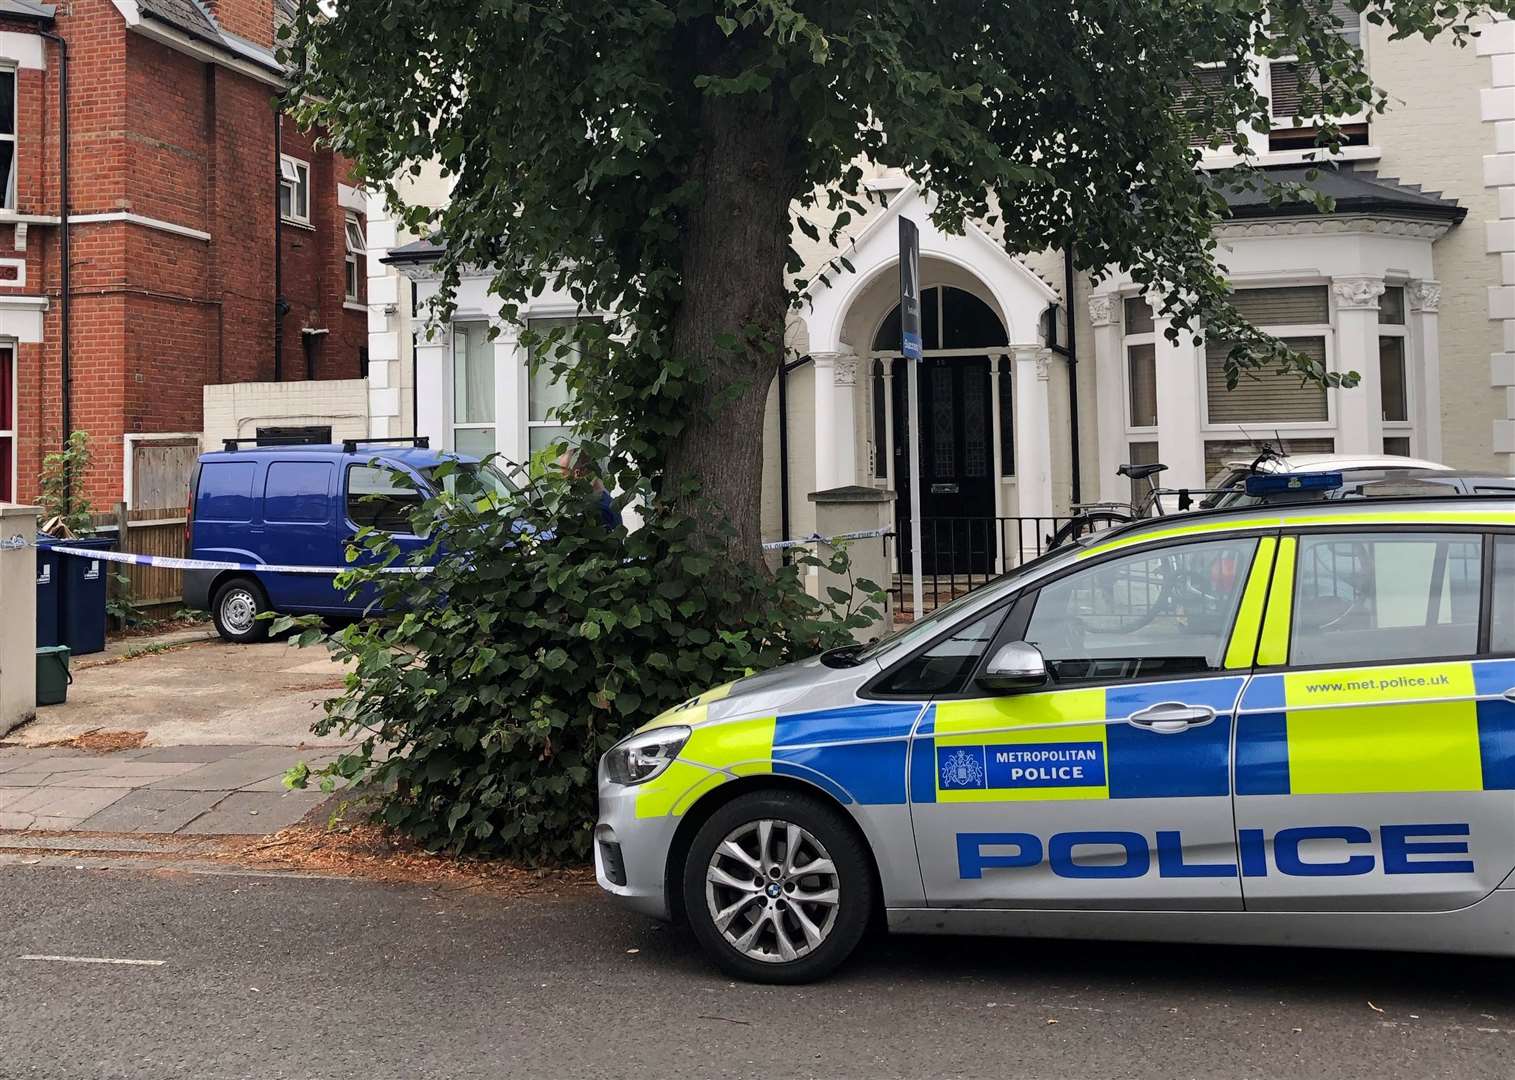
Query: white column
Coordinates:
[1179,443]
[996,433]
[433,385]
[510,389]
[1496,40]
[1109,396]
[1423,299]
[825,409]
[1359,410]
[844,418]
[1033,439]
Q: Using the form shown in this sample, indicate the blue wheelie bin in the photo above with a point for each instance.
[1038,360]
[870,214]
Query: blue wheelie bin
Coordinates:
[49,591]
[81,619]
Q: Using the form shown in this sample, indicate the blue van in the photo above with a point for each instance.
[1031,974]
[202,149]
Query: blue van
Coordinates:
[300,505]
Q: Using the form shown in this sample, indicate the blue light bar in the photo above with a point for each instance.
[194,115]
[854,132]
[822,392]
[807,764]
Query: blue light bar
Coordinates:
[1287,483]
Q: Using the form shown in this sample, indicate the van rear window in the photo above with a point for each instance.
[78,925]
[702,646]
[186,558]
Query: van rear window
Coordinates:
[225,491]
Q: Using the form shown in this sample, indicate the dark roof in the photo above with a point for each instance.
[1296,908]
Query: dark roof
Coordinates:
[26,9]
[417,251]
[194,18]
[1354,192]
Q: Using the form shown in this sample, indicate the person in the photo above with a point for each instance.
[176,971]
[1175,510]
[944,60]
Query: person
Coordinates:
[575,465]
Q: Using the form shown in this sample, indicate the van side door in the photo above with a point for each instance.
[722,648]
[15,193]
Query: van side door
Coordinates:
[299,529]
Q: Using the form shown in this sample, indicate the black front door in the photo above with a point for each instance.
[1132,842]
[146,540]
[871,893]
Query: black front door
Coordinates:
[957,483]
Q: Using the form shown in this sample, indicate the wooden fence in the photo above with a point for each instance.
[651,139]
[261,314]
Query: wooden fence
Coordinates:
[153,590]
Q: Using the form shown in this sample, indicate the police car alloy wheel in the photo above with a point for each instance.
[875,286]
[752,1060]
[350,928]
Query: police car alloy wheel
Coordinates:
[236,609]
[777,887]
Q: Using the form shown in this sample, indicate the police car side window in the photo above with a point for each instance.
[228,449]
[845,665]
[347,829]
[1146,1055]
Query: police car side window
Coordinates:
[1502,617]
[1162,612]
[381,498]
[1364,597]
[944,668]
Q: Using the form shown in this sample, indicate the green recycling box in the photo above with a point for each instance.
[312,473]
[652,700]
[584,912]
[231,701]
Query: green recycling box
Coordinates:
[53,675]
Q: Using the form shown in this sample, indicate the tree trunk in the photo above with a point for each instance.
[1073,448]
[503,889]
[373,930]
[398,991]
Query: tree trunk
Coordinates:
[735,248]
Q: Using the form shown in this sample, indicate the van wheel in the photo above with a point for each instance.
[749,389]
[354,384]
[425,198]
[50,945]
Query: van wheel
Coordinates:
[778,887]
[236,608]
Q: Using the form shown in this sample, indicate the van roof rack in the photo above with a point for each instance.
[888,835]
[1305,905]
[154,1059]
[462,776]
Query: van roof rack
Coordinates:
[420,442]
[267,440]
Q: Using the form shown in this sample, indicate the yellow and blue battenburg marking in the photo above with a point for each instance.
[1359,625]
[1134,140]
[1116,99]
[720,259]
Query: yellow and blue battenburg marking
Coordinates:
[1393,728]
[1062,745]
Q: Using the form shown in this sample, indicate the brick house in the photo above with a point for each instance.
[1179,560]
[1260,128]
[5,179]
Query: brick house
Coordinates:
[198,253]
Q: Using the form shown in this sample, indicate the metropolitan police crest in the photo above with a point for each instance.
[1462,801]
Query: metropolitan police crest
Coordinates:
[962,770]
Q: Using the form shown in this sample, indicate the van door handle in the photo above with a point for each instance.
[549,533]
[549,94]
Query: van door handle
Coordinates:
[1171,717]
[1509,695]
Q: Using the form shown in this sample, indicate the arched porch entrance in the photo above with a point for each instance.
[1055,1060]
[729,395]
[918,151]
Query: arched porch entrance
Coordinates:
[965,416]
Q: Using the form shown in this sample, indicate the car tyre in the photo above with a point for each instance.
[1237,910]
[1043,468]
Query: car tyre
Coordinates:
[778,887]
[236,608]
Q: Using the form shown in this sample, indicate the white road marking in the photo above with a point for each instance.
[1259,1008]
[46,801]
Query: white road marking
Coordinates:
[94,960]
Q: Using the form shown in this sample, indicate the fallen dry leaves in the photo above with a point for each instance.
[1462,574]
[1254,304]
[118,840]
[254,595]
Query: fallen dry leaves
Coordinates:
[371,852]
[102,740]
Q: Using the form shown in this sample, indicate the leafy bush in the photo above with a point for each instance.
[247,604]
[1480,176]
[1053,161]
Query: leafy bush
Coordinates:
[65,510]
[540,639]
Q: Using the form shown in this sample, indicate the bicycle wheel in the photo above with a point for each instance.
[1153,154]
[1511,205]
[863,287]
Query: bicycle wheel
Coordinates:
[1085,524]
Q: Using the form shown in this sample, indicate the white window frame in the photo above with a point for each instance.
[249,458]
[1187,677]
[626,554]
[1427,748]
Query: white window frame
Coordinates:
[1310,429]
[354,250]
[453,426]
[1402,428]
[11,181]
[1141,434]
[293,175]
[12,433]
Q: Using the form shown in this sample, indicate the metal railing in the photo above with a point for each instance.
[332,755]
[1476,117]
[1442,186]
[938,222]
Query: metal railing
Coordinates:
[959,554]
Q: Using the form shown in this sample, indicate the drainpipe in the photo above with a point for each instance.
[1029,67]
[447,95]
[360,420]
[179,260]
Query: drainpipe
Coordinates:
[280,304]
[1072,357]
[65,369]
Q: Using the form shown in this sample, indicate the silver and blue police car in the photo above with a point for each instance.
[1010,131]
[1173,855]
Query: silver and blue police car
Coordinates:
[1288,724]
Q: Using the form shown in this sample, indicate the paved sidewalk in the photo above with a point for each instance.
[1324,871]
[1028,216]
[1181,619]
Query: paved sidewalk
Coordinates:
[209,790]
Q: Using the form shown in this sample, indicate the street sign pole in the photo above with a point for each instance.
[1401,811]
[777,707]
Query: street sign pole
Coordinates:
[910,345]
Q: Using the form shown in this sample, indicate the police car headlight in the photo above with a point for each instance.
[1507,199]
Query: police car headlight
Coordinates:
[641,757]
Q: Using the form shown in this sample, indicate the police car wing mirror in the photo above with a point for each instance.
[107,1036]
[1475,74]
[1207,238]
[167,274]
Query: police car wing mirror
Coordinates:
[1017,665]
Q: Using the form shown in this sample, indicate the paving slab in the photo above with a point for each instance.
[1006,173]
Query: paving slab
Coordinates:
[237,771]
[253,812]
[59,802]
[152,811]
[201,754]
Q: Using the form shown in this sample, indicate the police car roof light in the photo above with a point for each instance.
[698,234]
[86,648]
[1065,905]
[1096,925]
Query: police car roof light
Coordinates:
[1289,483]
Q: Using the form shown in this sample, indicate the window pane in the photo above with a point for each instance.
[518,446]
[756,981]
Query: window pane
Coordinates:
[476,442]
[1363,598]
[1268,395]
[472,374]
[381,498]
[1141,453]
[7,390]
[1006,420]
[1199,95]
[968,322]
[1502,621]
[1165,612]
[1291,306]
[945,667]
[351,278]
[8,174]
[286,206]
[1391,306]
[1138,315]
[289,170]
[7,103]
[297,491]
[1398,445]
[7,466]
[547,391]
[302,194]
[542,436]
[1141,363]
[354,236]
[1391,375]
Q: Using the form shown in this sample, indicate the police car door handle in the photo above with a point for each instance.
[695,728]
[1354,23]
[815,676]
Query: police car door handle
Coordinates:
[1170,717]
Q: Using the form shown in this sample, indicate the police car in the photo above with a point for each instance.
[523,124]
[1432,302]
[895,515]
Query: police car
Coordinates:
[1291,724]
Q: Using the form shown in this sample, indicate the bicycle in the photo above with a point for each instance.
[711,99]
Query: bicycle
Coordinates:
[1090,518]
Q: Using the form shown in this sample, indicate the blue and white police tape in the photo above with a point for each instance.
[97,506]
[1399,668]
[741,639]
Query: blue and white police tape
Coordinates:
[817,538]
[169,562]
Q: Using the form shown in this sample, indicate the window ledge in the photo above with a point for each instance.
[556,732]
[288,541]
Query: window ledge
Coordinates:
[1314,156]
[298,224]
[353,305]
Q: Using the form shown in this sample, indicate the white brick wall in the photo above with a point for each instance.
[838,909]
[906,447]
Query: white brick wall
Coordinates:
[237,410]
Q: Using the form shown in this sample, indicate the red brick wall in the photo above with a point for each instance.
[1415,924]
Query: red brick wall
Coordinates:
[156,315]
